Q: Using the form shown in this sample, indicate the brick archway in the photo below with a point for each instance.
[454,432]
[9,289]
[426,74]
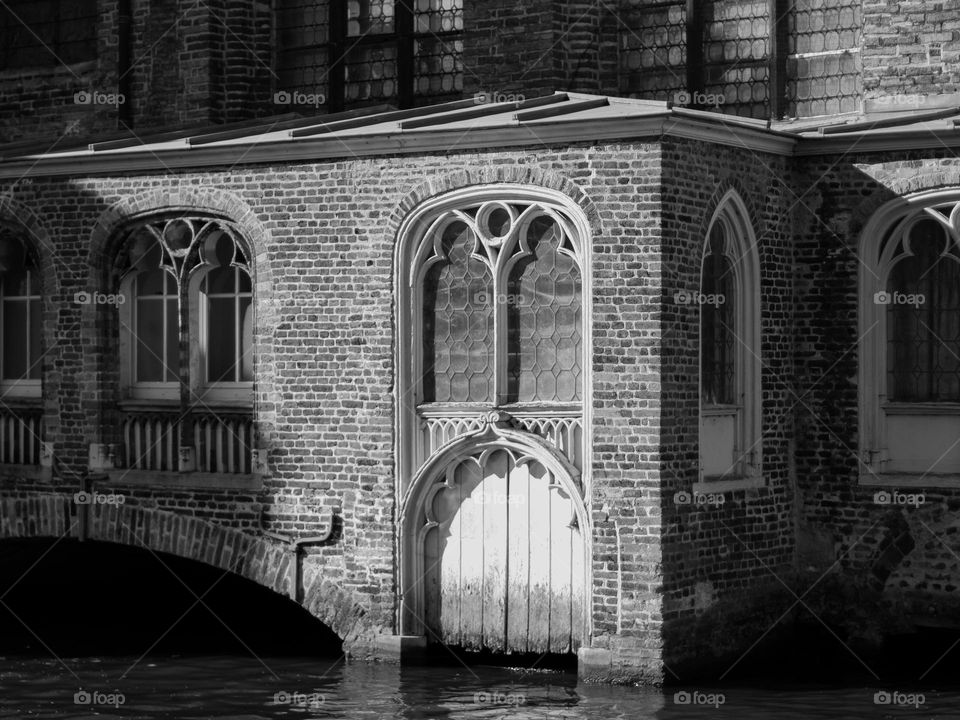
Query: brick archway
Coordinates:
[264,561]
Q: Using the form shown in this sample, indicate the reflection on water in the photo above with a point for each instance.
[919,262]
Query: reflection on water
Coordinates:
[246,689]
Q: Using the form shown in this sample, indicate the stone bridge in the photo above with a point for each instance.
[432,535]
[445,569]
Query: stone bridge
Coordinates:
[270,562]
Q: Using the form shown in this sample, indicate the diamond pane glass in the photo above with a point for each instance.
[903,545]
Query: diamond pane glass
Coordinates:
[824,69]
[438,67]
[370,73]
[923,319]
[543,321]
[369,17]
[717,339]
[653,56]
[735,54]
[458,323]
[303,31]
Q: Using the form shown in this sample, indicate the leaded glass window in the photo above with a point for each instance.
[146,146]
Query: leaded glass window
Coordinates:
[717,325]
[923,317]
[458,323]
[543,322]
[363,52]
[501,310]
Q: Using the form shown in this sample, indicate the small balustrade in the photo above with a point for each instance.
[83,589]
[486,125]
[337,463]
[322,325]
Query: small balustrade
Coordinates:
[21,432]
[223,441]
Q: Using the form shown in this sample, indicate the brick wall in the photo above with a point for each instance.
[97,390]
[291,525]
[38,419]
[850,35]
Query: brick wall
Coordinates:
[711,552]
[323,258]
[909,553]
[910,47]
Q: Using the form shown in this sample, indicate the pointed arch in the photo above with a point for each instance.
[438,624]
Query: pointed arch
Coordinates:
[736,417]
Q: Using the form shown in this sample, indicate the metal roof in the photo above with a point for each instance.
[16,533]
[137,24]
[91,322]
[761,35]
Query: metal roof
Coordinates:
[470,124]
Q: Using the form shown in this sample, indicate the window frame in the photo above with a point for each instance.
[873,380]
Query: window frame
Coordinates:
[339,43]
[740,248]
[53,49]
[409,270]
[24,388]
[873,406]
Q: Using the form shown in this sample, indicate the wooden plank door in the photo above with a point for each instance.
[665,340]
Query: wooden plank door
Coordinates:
[504,569]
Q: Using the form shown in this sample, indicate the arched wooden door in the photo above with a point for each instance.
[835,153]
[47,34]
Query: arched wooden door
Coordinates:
[503,557]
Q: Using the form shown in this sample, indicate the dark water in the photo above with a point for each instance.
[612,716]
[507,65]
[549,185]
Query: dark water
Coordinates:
[245,689]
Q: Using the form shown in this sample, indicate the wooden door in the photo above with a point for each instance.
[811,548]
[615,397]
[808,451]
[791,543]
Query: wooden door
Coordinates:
[504,568]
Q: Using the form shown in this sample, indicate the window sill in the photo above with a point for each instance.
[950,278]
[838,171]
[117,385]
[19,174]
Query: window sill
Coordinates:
[705,487]
[910,480]
[196,480]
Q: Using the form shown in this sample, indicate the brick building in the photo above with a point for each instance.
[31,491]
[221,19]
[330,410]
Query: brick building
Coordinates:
[551,326]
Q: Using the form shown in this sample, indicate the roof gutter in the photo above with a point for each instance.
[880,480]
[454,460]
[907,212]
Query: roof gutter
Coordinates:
[437,142]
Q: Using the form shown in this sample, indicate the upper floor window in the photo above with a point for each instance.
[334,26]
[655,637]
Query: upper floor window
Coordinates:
[729,303]
[748,57]
[190,316]
[365,52]
[42,33]
[491,318]
[501,319]
[20,319]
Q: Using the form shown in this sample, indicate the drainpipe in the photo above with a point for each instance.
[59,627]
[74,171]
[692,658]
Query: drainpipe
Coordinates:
[124,67]
[296,547]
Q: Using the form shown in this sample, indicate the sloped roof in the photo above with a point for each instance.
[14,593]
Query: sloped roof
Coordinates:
[474,123]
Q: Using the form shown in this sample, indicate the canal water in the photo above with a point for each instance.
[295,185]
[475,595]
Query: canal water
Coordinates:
[191,688]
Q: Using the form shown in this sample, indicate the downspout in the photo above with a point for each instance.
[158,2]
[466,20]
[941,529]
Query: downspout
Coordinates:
[124,67]
[296,547]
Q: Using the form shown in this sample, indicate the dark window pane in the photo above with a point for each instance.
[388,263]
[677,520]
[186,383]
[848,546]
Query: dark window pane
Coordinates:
[369,17]
[149,340]
[35,341]
[543,321]
[47,32]
[246,338]
[458,324]
[371,73]
[717,339]
[923,320]
[15,338]
[221,340]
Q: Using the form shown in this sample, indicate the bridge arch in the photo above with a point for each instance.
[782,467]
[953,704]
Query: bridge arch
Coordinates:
[262,560]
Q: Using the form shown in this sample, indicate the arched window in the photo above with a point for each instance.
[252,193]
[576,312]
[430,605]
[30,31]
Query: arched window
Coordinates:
[186,345]
[492,309]
[729,302]
[910,340]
